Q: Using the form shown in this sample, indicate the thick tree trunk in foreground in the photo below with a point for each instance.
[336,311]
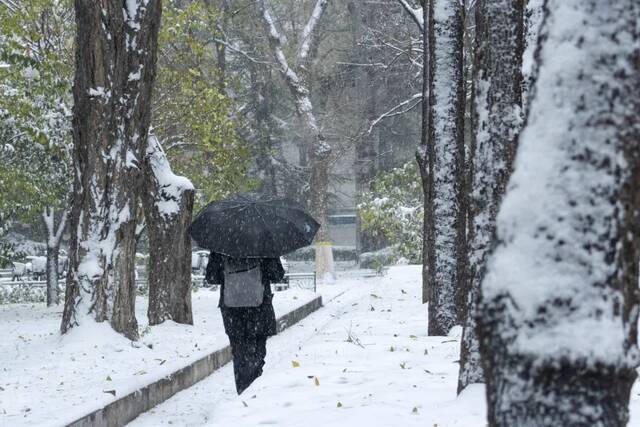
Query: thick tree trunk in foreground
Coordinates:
[168,202]
[559,303]
[115,68]
[498,79]
[445,151]
[54,237]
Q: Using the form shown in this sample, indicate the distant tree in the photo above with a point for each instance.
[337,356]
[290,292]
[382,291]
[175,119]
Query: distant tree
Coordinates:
[193,117]
[441,160]
[498,84]
[296,75]
[558,321]
[35,75]
[115,70]
[441,163]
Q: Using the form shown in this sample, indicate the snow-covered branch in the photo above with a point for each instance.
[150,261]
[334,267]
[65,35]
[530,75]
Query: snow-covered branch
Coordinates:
[54,235]
[275,41]
[294,82]
[398,109]
[9,4]
[309,33]
[415,13]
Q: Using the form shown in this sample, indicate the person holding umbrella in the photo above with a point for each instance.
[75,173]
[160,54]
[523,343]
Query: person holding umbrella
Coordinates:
[246,235]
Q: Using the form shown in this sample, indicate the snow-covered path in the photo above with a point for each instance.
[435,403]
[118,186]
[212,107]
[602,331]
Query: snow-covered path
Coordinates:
[363,360]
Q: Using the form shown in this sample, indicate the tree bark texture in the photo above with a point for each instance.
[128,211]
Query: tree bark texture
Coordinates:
[266,149]
[424,154]
[53,294]
[168,203]
[498,80]
[54,237]
[115,69]
[445,151]
[532,21]
[559,302]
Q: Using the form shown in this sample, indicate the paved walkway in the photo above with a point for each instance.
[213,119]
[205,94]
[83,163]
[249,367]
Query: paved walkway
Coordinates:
[364,360]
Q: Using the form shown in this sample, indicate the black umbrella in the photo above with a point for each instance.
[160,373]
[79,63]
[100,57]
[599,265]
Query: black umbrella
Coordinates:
[253,226]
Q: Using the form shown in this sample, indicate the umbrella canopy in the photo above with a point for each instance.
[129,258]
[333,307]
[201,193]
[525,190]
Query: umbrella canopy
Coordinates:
[253,226]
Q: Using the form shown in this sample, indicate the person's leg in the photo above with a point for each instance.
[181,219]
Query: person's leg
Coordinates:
[239,352]
[251,361]
[261,353]
[235,357]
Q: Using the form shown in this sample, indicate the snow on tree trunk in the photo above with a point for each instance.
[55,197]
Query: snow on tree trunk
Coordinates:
[319,150]
[498,78]
[115,68]
[445,151]
[53,295]
[168,203]
[559,303]
[54,237]
[532,22]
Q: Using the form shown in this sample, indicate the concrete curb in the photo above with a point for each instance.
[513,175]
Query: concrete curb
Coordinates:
[127,408]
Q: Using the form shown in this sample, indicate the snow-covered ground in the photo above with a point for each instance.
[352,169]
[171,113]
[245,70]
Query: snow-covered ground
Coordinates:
[48,379]
[364,360]
[388,374]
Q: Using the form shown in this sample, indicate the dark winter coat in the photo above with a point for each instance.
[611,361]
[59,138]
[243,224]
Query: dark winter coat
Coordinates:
[247,321]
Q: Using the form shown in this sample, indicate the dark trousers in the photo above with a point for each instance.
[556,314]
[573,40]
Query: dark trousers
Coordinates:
[248,359]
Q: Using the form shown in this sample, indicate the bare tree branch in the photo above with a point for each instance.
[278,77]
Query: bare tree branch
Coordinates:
[241,52]
[394,111]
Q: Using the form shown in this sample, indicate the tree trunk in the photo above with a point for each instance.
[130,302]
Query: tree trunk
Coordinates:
[115,69]
[559,302]
[54,237]
[446,148]
[498,79]
[265,149]
[532,21]
[424,154]
[53,296]
[168,202]
[319,191]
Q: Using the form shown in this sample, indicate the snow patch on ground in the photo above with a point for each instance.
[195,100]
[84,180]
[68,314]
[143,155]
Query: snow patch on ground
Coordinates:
[50,380]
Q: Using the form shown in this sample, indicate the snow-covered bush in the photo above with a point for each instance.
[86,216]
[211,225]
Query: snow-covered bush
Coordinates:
[308,253]
[22,294]
[378,259]
[393,210]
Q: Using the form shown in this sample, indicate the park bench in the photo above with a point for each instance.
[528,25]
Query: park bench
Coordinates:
[375,273]
[296,277]
[32,283]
